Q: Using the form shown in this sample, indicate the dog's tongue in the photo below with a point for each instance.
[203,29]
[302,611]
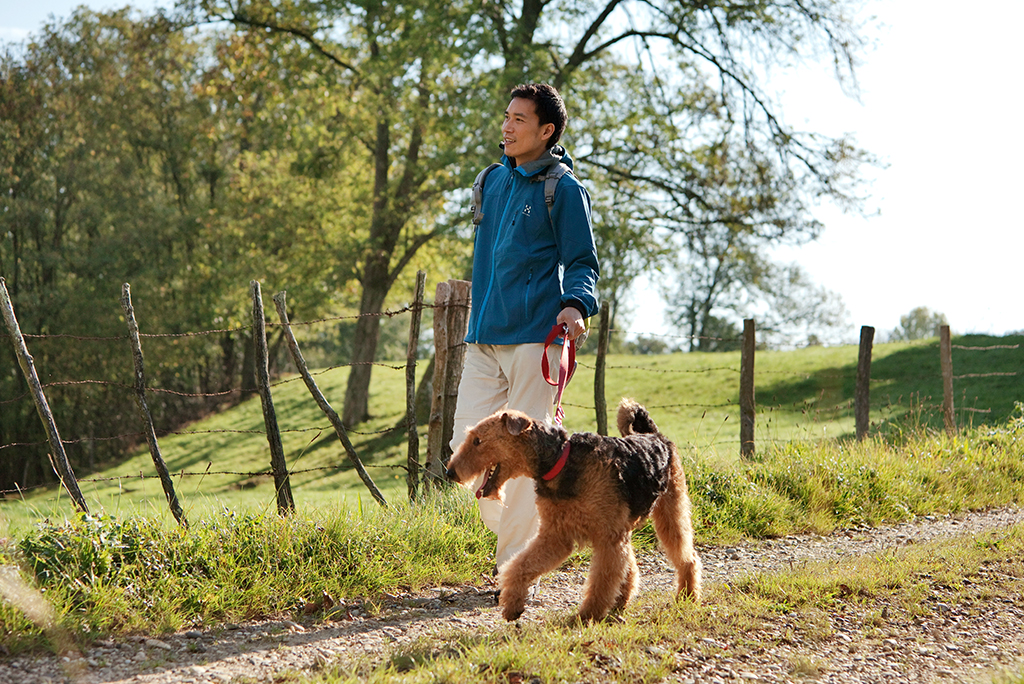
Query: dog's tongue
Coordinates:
[480,491]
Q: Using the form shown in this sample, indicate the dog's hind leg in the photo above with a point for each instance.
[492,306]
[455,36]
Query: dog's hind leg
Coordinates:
[545,553]
[630,583]
[608,576]
[673,525]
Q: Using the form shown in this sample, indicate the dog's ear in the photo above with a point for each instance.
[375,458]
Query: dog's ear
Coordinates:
[515,424]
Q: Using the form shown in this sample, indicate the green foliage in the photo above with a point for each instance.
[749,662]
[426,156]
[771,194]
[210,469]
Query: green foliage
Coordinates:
[115,575]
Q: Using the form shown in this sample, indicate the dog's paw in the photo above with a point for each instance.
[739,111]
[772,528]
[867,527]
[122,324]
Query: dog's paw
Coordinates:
[512,607]
[512,614]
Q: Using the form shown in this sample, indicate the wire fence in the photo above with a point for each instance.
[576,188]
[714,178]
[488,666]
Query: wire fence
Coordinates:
[742,405]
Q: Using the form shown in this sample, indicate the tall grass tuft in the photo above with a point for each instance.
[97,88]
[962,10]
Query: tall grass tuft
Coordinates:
[108,575]
[819,486]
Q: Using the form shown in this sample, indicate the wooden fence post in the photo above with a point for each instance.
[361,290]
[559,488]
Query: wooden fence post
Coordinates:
[413,457]
[285,503]
[321,400]
[600,401]
[435,427]
[458,326]
[747,390]
[58,457]
[946,361]
[451,318]
[140,402]
[862,396]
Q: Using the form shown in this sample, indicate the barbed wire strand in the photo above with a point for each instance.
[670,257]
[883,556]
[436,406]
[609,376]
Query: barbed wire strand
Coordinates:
[989,348]
[183,474]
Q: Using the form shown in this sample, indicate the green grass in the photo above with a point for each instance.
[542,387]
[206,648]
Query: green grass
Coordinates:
[804,396]
[128,567]
[108,575]
[122,574]
[655,634]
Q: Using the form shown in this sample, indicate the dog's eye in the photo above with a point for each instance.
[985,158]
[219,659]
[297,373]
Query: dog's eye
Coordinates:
[476,441]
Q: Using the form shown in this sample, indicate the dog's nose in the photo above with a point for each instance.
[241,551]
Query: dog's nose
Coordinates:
[452,475]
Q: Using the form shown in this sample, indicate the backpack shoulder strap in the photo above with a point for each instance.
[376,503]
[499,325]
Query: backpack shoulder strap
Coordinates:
[551,179]
[478,194]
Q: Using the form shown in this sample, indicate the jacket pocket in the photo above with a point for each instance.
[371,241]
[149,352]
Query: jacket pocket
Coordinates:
[526,294]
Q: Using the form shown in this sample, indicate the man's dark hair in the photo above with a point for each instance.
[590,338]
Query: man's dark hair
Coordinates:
[549,106]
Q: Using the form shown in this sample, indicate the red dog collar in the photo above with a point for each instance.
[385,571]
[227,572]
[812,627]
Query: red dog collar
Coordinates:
[551,474]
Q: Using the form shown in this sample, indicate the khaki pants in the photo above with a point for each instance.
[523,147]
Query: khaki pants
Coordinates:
[497,377]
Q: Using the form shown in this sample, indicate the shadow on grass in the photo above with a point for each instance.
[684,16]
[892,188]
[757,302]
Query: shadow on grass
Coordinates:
[907,383]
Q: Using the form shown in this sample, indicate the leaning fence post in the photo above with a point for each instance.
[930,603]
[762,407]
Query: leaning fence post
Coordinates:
[140,402]
[325,406]
[862,397]
[58,457]
[413,458]
[600,401]
[747,390]
[946,361]
[285,503]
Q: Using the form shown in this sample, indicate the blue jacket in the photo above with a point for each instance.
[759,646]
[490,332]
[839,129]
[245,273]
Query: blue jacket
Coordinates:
[526,270]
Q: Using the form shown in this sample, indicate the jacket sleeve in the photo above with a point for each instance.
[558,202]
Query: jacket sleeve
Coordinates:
[570,218]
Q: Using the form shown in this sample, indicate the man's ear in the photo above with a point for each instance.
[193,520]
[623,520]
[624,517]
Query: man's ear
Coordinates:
[515,424]
[547,131]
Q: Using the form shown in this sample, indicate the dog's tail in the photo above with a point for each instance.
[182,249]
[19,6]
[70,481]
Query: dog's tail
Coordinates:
[633,419]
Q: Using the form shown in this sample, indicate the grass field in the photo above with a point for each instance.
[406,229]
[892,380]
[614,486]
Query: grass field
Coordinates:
[239,558]
[803,396]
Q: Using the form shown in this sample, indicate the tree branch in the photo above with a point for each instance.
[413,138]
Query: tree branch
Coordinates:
[410,252]
[304,34]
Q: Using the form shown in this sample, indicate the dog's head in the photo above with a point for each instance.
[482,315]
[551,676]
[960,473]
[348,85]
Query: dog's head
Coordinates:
[499,447]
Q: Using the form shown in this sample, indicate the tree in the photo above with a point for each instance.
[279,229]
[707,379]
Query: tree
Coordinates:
[919,324]
[400,66]
[431,80]
[184,163]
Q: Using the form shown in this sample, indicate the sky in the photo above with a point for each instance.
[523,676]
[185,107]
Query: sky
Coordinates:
[940,105]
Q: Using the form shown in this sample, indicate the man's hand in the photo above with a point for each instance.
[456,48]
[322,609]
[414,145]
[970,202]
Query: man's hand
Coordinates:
[573,322]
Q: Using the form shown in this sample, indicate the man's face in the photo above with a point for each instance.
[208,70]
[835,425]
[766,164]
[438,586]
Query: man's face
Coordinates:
[524,137]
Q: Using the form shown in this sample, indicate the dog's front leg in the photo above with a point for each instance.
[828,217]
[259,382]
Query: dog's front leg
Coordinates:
[545,553]
[609,572]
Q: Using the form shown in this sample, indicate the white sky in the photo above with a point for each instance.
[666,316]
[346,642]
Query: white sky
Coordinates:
[940,104]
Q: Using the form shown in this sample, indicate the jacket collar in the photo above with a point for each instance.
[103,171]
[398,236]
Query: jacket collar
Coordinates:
[550,157]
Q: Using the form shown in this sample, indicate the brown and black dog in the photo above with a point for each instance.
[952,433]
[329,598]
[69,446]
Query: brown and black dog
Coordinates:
[590,489]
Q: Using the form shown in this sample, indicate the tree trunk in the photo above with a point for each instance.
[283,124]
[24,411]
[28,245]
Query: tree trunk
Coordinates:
[364,345]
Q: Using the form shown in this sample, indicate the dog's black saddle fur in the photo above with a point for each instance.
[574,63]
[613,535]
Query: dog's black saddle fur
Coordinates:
[639,462]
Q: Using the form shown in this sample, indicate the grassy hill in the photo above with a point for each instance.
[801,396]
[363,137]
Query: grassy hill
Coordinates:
[804,395]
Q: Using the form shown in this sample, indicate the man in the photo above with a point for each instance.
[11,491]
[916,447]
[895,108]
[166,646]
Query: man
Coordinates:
[534,266]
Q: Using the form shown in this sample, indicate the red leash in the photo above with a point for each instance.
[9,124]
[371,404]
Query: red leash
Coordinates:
[566,365]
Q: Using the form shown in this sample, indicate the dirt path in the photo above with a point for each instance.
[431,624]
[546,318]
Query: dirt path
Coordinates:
[953,643]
